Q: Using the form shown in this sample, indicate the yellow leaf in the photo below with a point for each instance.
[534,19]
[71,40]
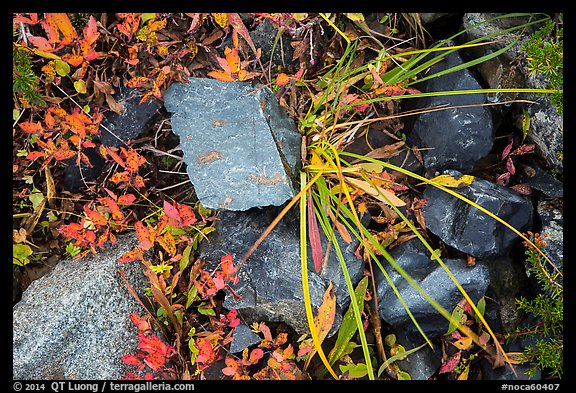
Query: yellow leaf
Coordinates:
[464,375]
[325,317]
[80,86]
[220,18]
[464,343]
[376,191]
[221,76]
[316,160]
[167,243]
[452,181]
[355,16]
[300,16]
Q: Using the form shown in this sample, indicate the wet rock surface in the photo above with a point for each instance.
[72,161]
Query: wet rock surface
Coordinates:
[240,148]
[471,231]
[467,133]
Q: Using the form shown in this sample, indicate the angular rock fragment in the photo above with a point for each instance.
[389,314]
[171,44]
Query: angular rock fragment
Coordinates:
[240,148]
[270,281]
[134,119]
[453,138]
[470,230]
[413,257]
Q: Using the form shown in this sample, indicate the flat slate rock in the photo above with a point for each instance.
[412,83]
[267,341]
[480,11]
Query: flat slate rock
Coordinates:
[240,147]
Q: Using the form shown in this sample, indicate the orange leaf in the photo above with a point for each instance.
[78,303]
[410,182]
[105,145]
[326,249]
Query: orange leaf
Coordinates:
[167,242]
[115,157]
[137,81]
[61,22]
[113,206]
[138,182]
[94,216]
[233,59]
[144,236]
[221,76]
[31,127]
[120,177]
[282,79]
[131,255]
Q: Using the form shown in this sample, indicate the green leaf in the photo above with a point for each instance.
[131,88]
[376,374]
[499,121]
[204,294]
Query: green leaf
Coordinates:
[15,114]
[403,376]
[398,356]
[206,311]
[348,326]
[355,16]
[62,68]
[20,254]
[185,258]
[481,306]
[525,124]
[36,197]
[354,370]
[146,16]
[456,316]
[191,296]
[86,108]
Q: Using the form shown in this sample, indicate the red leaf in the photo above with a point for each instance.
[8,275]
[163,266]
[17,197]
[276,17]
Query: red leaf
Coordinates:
[187,216]
[522,188]
[236,21]
[507,149]
[126,199]
[256,355]
[34,155]
[451,363]
[42,44]
[91,33]
[171,211]
[229,371]
[314,235]
[523,149]
[510,166]
[131,360]
[266,331]
[33,20]
[113,206]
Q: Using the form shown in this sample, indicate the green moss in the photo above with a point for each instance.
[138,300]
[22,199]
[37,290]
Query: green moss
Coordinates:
[25,81]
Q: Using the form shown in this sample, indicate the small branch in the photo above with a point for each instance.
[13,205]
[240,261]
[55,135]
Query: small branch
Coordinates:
[173,186]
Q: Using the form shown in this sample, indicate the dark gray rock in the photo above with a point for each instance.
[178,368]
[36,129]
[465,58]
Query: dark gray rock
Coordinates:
[471,231]
[507,281]
[270,281]
[422,364]
[455,138]
[546,124]
[74,176]
[74,323]
[374,139]
[16,283]
[264,36]
[241,149]
[135,119]
[538,179]
[243,337]
[434,280]
[552,224]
